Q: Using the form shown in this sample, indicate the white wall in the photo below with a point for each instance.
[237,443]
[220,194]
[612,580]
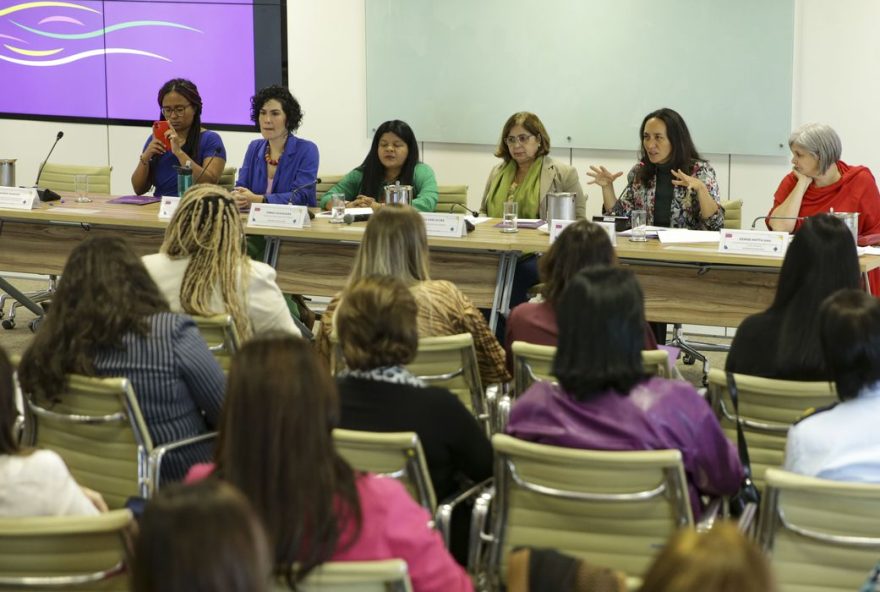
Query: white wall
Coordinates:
[835,81]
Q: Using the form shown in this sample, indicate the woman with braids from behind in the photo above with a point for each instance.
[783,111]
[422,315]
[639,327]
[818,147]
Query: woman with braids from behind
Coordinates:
[108,318]
[203,269]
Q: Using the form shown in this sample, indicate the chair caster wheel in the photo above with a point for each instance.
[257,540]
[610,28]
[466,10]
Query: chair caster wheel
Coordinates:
[688,359]
[34,324]
[8,324]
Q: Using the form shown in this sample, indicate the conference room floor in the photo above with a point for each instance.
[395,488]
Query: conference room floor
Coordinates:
[16,340]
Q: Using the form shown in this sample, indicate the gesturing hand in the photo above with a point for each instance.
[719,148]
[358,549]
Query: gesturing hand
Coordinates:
[683,180]
[602,176]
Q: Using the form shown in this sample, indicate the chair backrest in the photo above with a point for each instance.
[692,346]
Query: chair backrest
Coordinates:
[448,195]
[62,177]
[732,213]
[819,534]
[221,336]
[535,362]
[97,428]
[64,552]
[614,509]
[227,178]
[388,575]
[327,181]
[397,455]
[767,409]
[450,361]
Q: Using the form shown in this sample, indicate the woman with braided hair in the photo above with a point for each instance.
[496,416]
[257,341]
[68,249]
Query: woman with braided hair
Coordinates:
[203,269]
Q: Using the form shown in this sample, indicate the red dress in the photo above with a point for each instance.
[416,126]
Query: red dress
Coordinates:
[856,191]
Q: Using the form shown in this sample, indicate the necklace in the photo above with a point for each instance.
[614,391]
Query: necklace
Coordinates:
[271,161]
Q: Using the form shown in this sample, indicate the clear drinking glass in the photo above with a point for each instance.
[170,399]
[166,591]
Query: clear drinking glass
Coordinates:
[81,183]
[337,208]
[510,215]
[639,220]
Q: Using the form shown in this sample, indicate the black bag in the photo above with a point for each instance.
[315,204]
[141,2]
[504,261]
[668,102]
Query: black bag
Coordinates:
[747,493]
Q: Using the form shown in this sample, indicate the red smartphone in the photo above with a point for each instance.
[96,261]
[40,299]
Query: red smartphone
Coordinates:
[159,129]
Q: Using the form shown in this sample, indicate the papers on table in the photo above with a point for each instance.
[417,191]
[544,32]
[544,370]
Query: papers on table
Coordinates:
[353,211]
[650,231]
[868,250]
[682,235]
[476,221]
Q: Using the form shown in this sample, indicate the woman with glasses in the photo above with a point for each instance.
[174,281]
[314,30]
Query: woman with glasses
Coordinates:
[527,173]
[393,157]
[190,144]
[671,181]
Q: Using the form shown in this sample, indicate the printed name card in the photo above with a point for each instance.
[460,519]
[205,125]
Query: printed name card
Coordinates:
[265,215]
[450,225]
[611,229]
[168,206]
[753,242]
[557,226]
[18,198]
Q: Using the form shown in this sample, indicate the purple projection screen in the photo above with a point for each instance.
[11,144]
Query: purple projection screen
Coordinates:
[107,59]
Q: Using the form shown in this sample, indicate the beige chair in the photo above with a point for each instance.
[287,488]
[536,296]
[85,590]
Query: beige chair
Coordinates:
[327,181]
[221,336]
[98,429]
[820,535]
[64,552]
[450,362]
[732,213]
[62,177]
[389,575]
[227,178]
[767,409]
[614,509]
[449,195]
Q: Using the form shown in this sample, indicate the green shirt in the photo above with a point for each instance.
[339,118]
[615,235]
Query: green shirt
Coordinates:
[424,186]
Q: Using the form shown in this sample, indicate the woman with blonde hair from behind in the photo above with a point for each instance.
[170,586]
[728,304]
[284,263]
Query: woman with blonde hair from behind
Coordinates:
[720,560]
[395,244]
[203,269]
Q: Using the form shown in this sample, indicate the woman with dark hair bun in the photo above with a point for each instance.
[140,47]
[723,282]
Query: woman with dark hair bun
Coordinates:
[279,167]
[783,341]
[181,105]
[671,181]
[606,401]
[393,156]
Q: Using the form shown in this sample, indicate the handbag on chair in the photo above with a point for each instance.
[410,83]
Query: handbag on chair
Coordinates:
[748,492]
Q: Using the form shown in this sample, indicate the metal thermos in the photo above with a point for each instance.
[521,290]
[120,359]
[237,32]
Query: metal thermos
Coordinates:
[851,219]
[7,172]
[184,179]
[559,206]
[398,194]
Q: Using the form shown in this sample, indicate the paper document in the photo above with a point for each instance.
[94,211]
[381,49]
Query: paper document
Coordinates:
[868,250]
[650,231]
[682,235]
[352,211]
[476,221]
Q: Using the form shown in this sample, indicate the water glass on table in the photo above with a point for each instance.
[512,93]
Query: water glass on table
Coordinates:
[337,208]
[81,186]
[639,231]
[508,223]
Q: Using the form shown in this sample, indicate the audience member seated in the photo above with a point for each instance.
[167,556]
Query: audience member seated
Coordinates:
[841,442]
[203,269]
[200,537]
[720,560]
[393,157]
[379,337]
[276,447]
[185,143]
[580,245]
[783,341]
[35,482]
[280,167]
[108,318]
[395,244]
[604,399]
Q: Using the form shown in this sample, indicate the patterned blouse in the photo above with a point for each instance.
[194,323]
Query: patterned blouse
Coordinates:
[685,208]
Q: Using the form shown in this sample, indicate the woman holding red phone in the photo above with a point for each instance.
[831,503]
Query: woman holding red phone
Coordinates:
[178,138]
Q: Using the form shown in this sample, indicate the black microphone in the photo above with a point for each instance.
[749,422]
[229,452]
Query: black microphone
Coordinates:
[47,194]
[315,181]
[755,221]
[473,213]
[205,166]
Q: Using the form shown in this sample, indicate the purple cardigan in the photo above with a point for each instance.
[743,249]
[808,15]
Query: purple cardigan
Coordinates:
[297,166]
[657,414]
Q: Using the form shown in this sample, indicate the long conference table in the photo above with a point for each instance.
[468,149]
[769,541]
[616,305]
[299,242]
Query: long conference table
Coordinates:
[688,283]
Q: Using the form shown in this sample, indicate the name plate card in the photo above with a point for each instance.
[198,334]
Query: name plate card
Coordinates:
[556,227]
[18,198]
[611,229]
[168,206]
[753,242]
[266,215]
[449,225]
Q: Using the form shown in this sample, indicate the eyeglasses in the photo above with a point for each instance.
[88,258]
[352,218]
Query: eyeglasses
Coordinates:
[178,110]
[520,139]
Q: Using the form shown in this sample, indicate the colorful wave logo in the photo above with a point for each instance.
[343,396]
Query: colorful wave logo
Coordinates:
[67,27]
